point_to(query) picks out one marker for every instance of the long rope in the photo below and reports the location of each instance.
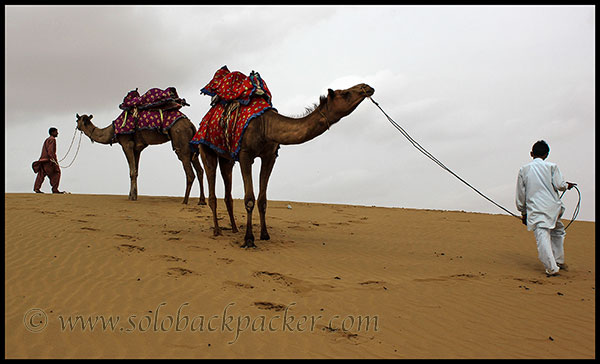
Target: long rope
(430, 156)
(76, 152)
(576, 211)
(70, 145)
(437, 161)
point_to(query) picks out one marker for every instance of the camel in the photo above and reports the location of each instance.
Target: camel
(180, 135)
(261, 139)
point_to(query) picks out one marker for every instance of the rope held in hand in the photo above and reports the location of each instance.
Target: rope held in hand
(430, 156)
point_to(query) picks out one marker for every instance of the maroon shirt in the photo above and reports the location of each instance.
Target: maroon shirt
(48, 154)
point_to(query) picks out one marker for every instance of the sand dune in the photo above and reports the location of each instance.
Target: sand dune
(334, 281)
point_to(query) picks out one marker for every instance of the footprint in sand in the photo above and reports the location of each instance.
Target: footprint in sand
(238, 284)
(88, 228)
(468, 275)
(337, 334)
(124, 236)
(461, 276)
(170, 258)
(269, 306)
(225, 260)
(172, 232)
(293, 284)
(128, 248)
(280, 279)
(340, 223)
(179, 272)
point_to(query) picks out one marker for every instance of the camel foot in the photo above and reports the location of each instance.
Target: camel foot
(202, 201)
(248, 244)
(249, 240)
(185, 202)
(217, 232)
(234, 229)
(264, 235)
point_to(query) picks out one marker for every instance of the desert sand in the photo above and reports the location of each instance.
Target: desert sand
(334, 281)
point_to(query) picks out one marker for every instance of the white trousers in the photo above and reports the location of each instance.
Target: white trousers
(550, 246)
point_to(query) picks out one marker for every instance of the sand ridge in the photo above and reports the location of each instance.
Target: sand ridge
(334, 281)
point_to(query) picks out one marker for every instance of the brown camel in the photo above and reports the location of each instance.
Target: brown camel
(262, 138)
(180, 135)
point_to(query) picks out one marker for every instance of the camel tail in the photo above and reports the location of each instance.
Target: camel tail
(193, 149)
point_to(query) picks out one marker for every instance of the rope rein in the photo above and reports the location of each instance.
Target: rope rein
(68, 150)
(430, 156)
(576, 211)
(70, 145)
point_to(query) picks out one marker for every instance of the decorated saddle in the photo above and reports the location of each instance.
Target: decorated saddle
(156, 109)
(236, 100)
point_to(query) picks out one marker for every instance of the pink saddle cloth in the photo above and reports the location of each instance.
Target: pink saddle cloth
(157, 109)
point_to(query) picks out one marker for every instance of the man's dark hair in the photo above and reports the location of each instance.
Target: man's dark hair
(51, 130)
(540, 149)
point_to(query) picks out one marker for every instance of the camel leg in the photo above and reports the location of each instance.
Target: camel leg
(267, 163)
(246, 167)
(127, 146)
(209, 159)
(136, 158)
(200, 173)
(185, 157)
(226, 167)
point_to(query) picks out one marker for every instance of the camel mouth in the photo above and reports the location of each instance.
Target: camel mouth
(368, 90)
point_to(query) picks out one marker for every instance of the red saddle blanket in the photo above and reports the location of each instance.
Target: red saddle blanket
(156, 109)
(237, 99)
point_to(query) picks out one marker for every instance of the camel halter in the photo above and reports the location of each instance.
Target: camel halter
(326, 120)
(325, 116)
(430, 156)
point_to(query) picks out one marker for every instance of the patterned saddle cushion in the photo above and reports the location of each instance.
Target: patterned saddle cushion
(156, 109)
(155, 98)
(160, 120)
(240, 99)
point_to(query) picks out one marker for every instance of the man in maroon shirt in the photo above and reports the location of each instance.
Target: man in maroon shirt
(47, 165)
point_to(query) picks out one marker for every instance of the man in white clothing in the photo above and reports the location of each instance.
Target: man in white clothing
(541, 208)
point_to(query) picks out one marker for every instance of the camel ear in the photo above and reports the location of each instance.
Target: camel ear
(77, 115)
(91, 116)
(330, 94)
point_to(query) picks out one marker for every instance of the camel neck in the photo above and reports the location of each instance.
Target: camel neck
(286, 130)
(102, 136)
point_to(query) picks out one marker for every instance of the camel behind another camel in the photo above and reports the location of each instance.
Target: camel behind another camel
(180, 134)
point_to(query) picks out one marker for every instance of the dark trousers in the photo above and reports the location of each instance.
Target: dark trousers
(52, 171)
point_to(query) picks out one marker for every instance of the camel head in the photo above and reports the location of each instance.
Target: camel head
(340, 103)
(84, 122)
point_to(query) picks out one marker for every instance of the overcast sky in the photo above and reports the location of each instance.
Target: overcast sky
(474, 85)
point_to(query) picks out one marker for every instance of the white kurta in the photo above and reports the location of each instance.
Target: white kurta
(537, 193)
